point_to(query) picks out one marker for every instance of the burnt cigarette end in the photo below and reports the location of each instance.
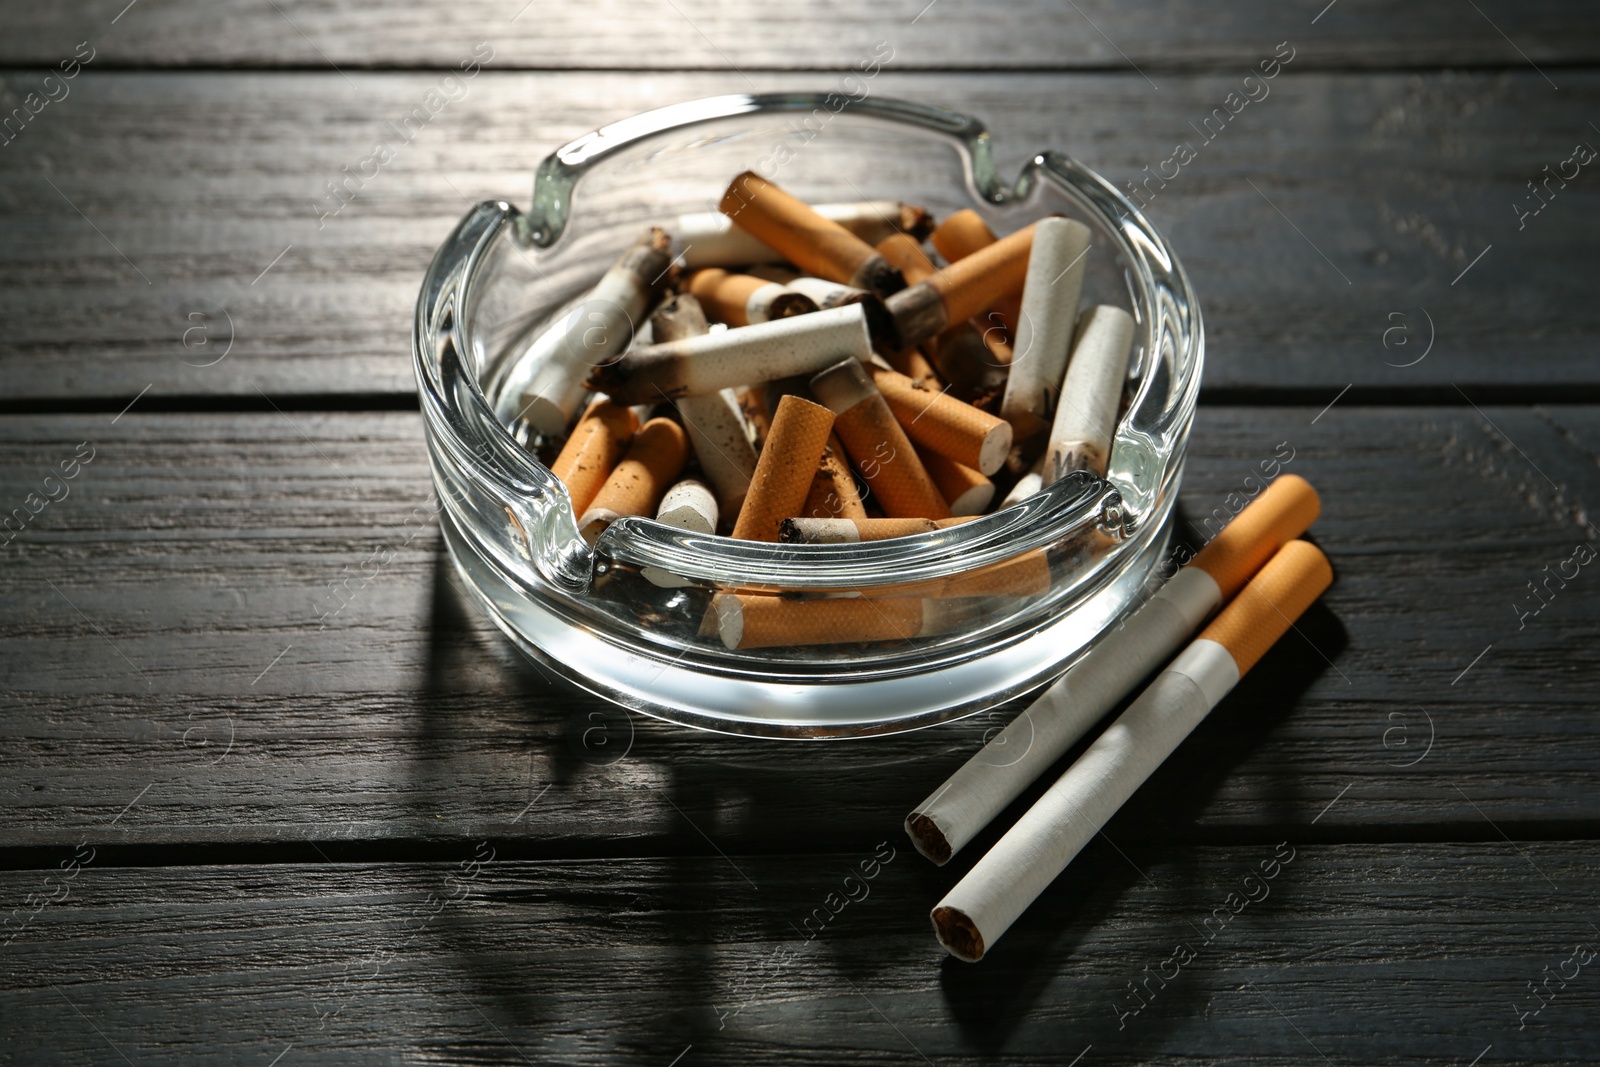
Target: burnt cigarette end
(916, 221)
(787, 304)
(916, 314)
(789, 533)
(678, 317)
(958, 934)
(928, 838)
(878, 275)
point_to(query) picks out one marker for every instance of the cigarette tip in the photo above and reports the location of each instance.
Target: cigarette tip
(927, 838)
(957, 933)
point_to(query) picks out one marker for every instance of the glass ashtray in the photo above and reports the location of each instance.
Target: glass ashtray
(977, 613)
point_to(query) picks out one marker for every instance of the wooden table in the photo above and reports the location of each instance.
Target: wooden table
(240, 828)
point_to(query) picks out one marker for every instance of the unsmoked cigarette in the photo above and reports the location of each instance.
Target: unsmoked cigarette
(833, 492)
(811, 242)
(877, 445)
(961, 290)
(689, 505)
(785, 470)
(696, 366)
(594, 447)
(653, 461)
(984, 904)
(965, 489)
(590, 332)
(997, 774)
(710, 239)
(821, 531)
(940, 423)
(957, 237)
(1086, 414)
(1049, 311)
(715, 426)
(742, 299)
(779, 622)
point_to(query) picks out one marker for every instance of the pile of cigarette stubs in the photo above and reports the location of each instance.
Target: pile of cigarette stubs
(1260, 577)
(813, 375)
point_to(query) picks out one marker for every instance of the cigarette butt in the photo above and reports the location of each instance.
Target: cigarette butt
(589, 332)
(940, 423)
(753, 407)
(594, 447)
(710, 239)
(803, 530)
(965, 358)
(877, 445)
(997, 774)
(779, 622)
(961, 290)
(811, 242)
(965, 489)
(785, 469)
(653, 461)
(1086, 413)
(833, 492)
(716, 429)
(914, 365)
(1049, 311)
(957, 237)
(695, 366)
(680, 315)
(824, 294)
(1284, 511)
(1027, 485)
(984, 904)
(742, 299)
(689, 505)
(1021, 576)
(905, 253)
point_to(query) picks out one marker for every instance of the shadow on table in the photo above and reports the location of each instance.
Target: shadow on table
(701, 921)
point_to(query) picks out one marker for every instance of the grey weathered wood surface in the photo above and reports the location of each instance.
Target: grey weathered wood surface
(633, 35)
(1338, 208)
(173, 601)
(1350, 956)
(272, 802)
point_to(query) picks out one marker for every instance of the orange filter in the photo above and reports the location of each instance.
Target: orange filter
(652, 464)
(814, 244)
(785, 469)
(594, 448)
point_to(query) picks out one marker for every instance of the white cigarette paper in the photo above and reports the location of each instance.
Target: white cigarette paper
(1086, 413)
(689, 505)
(587, 333)
(712, 239)
(1014, 758)
(1049, 310)
(1047, 837)
(721, 442)
(1027, 485)
(698, 366)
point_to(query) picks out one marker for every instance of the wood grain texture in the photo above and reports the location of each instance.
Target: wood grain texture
(175, 601)
(1348, 956)
(1339, 213)
(946, 34)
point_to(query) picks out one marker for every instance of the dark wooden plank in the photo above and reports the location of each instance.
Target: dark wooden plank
(1373, 954)
(173, 601)
(198, 194)
(954, 34)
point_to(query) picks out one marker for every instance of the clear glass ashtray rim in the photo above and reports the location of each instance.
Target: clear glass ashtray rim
(482, 449)
(483, 445)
